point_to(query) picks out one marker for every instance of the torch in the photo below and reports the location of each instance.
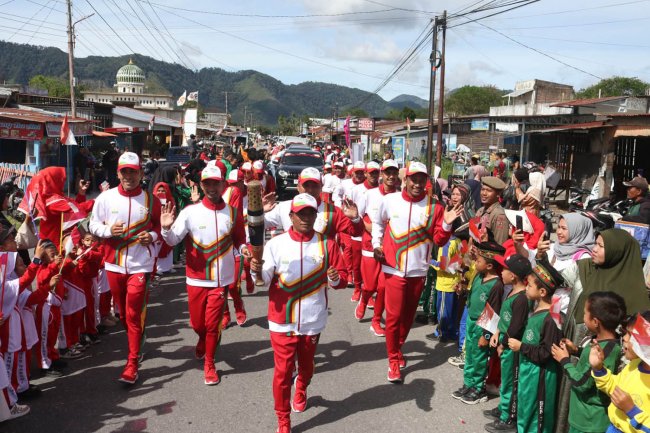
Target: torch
(256, 223)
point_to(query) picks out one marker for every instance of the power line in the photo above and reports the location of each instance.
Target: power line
(520, 5)
(584, 42)
(581, 10)
(539, 51)
(40, 25)
(110, 27)
(33, 16)
(401, 8)
(143, 40)
(580, 24)
(170, 35)
(270, 16)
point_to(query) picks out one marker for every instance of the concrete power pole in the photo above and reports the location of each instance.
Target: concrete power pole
(441, 99)
(432, 93)
(73, 101)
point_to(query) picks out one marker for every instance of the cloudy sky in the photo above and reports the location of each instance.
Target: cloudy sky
(357, 43)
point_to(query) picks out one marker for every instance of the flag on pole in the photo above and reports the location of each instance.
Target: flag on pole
(556, 311)
(488, 320)
(67, 137)
(151, 122)
(193, 96)
(182, 99)
(408, 125)
(474, 230)
(346, 129)
(224, 127)
(640, 338)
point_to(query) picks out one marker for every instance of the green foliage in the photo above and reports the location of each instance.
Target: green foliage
(472, 100)
(354, 112)
(56, 87)
(395, 114)
(615, 86)
(261, 94)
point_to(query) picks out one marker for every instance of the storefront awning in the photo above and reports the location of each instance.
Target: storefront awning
(103, 134)
(572, 128)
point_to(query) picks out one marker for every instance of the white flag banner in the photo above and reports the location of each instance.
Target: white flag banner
(488, 320)
(193, 96)
(182, 99)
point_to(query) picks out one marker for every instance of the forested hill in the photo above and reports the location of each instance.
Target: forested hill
(263, 95)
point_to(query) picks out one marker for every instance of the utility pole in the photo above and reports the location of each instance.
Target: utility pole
(433, 58)
(245, 107)
(226, 93)
(73, 101)
(441, 99)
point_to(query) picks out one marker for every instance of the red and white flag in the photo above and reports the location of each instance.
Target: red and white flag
(556, 311)
(488, 320)
(151, 122)
(67, 137)
(474, 230)
(408, 124)
(346, 129)
(640, 338)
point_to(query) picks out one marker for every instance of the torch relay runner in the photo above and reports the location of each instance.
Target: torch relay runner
(300, 265)
(214, 236)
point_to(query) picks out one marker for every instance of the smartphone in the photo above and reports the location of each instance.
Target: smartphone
(520, 223)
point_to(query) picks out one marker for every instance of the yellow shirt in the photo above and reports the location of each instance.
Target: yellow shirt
(635, 382)
(445, 281)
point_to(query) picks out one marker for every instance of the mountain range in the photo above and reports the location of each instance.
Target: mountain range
(257, 93)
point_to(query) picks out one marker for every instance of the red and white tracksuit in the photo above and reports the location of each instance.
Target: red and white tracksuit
(342, 192)
(79, 302)
(127, 262)
(17, 333)
(236, 199)
(48, 315)
(373, 277)
(295, 266)
(358, 196)
(214, 235)
(406, 228)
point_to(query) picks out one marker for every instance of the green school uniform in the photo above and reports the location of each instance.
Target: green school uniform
(476, 358)
(514, 315)
(538, 375)
(588, 406)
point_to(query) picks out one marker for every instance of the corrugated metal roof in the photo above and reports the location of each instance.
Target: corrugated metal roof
(583, 102)
(517, 93)
(141, 116)
(37, 116)
(574, 127)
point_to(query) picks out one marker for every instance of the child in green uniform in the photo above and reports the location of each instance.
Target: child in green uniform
(538, 372)
(604, 313)
(486, 288)
(514, 314)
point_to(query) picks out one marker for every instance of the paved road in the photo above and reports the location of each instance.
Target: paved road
(348, 393)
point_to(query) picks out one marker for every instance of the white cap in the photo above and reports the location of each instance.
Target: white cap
(371, 166)
(416, 167)
(302, 201)
(128, 160)
(389, 163)
(359, 166)
(247, 166)
(211, 172)
(258, 166)
(309, 174)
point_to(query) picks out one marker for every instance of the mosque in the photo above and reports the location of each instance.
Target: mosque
(130, 91)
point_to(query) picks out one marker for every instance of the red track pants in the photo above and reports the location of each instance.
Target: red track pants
(72, 324)
(48, 328)
(234, 290)
(130, 294)
(105, 304)
(401, 302)
(355, 246)
(286, 349)
(345, 241)
(373, 282)
(206, 309)
(89, 326)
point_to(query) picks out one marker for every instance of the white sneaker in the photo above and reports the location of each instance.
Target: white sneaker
(18, 410)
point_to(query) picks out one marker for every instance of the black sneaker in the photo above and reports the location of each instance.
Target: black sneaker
(460, 392)
(58, 364)
(492, 413)
(499, 426)
(474, 396)
(93, 338)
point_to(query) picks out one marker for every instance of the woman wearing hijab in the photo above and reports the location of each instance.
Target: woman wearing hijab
(165, 260)
(533, 199)
(474, 200)
(615, 266)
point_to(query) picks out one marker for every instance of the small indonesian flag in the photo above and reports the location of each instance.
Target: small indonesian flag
(555, 311)
(151, 122)
(488, 320)
(640, 338)
(408, 124)
(67, 137)
(474, 230)
(455, 264)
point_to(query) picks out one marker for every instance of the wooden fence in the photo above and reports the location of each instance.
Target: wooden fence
(23, 173)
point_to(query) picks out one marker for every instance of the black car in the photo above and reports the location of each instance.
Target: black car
(292, 163)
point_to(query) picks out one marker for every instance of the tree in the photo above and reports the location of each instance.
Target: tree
(354, 112)
(472, 100)
(395, 114)
(615, 86)
(56, 87)
(288, 125)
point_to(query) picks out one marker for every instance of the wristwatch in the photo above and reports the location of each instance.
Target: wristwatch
(37, 261)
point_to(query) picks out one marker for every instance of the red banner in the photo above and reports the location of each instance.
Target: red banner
(15, 130)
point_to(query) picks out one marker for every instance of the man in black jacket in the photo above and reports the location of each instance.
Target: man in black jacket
(637, 191)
